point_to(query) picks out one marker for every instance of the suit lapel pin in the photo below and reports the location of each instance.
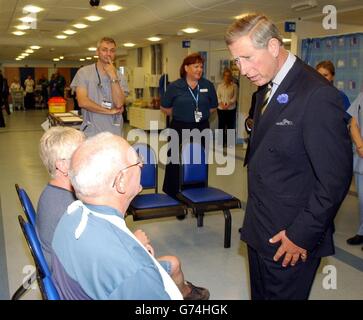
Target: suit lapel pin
(282, 98)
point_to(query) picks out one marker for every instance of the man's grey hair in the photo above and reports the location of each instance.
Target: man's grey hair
(106, 39)
(58, 143)
(99, 159)
(258, 27)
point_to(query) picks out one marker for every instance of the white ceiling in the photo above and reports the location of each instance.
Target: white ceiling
(141, 19)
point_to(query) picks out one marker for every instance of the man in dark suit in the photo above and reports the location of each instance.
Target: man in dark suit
(299, 165)
(249, 124)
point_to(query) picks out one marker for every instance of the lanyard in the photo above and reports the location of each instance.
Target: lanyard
(196, 98)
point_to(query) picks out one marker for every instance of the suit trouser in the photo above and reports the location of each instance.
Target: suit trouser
(359, 185)
(270, 281)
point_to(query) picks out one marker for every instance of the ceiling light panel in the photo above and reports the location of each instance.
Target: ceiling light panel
(19, 33)
(80, 25)
(27, 19)
(93, 18)
(69, 32)
(111, 7)
(22, 27)
(32, 9)
(154, 39)
(190, 30)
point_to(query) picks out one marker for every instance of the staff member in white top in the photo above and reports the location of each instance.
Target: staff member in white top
(101, 92)
(227, 98)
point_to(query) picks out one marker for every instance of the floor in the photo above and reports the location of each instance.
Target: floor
(204, 260)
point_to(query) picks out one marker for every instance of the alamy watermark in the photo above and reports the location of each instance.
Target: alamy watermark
(330, 20)
(30, 276)
(330, 278)
(167, 144)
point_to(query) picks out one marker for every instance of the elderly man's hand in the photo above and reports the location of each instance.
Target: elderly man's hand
(291, 251)
(144, 239)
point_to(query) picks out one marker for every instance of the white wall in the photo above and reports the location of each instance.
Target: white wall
(173, 55)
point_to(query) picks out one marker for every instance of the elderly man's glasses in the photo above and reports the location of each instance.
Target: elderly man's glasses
(139, 162)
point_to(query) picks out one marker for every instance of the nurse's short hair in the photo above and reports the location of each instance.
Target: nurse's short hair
(190, 59)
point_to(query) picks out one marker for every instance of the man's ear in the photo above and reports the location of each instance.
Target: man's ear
(273, 47)
(120, 183)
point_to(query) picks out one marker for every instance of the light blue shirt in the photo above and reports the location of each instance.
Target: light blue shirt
(104, 261)
(280, 76)
(355, 110)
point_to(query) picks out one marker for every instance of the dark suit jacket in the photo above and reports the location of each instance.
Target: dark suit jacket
(251, 113)
(299, 165)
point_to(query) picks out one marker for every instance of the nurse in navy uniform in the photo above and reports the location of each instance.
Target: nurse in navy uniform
(190, 101)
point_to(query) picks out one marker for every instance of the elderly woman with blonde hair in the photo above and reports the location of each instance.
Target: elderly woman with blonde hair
(56, 149)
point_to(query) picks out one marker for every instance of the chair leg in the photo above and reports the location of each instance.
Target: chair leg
(24, 287)
(227, 228)
(200, 216)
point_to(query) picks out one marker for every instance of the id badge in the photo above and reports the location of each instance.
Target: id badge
(198, 116)
(106, 104)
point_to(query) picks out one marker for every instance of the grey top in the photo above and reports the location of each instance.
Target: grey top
(355, 110)
(99, 89)
(52, 203)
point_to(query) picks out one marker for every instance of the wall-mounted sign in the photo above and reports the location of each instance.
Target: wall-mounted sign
(186, 43)
(290, 26)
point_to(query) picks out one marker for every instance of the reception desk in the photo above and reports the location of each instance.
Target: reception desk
(141, 117)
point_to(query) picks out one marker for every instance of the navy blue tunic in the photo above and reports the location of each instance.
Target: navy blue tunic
(178, 97)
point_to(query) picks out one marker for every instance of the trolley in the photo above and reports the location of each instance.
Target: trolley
(17, 97)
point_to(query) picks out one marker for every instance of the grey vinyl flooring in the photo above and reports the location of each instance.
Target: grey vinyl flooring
(204, 260)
